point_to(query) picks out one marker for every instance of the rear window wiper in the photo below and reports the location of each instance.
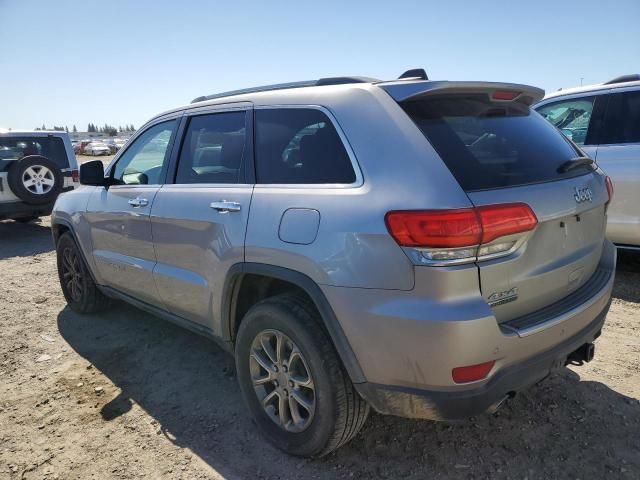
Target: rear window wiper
(575, 163)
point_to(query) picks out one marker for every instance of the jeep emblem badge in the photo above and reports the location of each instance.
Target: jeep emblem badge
(582, 194)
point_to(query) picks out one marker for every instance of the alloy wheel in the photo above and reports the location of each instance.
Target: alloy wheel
(282, 380)
(72, 273)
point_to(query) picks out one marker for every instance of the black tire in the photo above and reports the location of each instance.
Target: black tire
(340, 412)
(86, 298)
(15, 180)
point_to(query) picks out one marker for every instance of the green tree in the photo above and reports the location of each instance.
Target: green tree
(75, 130)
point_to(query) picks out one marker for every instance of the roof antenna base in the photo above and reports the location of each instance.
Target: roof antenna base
(414, 73)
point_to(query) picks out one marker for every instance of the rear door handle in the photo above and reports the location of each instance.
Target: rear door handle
(138, 202)
(225, 207)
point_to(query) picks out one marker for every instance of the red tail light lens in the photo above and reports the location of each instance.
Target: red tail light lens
(463, 227)
(74, 176)
(434, 228)
(472, 373)
(609, 184)
(506, 219)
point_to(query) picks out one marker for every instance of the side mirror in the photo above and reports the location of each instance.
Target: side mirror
(92, 173)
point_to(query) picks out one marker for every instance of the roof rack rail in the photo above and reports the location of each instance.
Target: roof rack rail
(284, 86)
(633, 77)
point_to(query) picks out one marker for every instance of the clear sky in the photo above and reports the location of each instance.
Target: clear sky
(71, 62)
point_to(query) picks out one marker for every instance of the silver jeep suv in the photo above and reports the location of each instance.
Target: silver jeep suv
(423, 248)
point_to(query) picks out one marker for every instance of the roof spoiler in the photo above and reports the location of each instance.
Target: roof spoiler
(403, 91)
(632, 77)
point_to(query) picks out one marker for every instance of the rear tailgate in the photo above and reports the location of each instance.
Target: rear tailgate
(501, 152)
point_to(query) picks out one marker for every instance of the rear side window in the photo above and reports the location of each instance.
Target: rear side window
(213, 148)
(299, 146)
(489, 144)
(622, 120)
(571, 117)
(14, 148)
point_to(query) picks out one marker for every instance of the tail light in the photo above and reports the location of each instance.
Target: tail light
(460, 235)
(609, 184)
(472, 373)
(75, 177)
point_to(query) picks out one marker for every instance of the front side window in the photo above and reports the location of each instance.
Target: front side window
(213, 149)
(299, 146)
(572, 117)
(145, 160)
(622, 120)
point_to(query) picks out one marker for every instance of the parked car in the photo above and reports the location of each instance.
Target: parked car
(424, 248)
(97, 148)
(604, 120)
(35, 167)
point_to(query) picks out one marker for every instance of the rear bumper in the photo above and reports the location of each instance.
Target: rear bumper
(438, 405)
(10, 210)
(21, 209)
(407, 343)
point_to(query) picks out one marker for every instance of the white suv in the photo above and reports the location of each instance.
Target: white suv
(604, 120)
(35, 167)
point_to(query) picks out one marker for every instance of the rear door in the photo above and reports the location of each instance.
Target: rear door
(118, 215)
(619, 156)
(501, 152)
(199, 219)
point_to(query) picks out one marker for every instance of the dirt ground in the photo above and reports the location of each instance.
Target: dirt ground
(125, 395)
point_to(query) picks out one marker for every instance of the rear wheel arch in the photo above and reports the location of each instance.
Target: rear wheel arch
(249, 283)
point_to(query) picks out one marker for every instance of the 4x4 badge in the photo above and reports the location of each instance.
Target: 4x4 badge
(500, 298)
(583, 194)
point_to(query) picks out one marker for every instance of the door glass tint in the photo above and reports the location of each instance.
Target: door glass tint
(213, 148)
(572, 117)
(15, 148)
(489, 144)
(299, 146)
(622, 120)
(145, 159)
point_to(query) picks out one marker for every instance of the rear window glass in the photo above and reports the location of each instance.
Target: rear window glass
(14, 148)
(489, 144)
(299, 146)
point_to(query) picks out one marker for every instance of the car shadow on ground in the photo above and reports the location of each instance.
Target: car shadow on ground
(24, 239)
(627, 276)
(180, 379)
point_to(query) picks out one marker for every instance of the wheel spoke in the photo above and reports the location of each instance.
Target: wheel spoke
(300, 400)
(299, 371)
(266, 401)
(296, 418)
(265, 363)
(283, 410)
(31, 172)
(39, 189)
(265, 343)
(48, 181)
(262, 380)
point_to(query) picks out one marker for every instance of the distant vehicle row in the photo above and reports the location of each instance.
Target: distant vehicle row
(98, 147)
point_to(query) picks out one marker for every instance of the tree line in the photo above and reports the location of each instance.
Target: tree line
(92, 128)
